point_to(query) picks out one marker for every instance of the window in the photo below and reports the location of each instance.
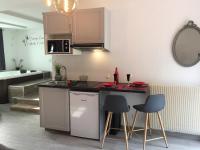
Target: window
(2, 56)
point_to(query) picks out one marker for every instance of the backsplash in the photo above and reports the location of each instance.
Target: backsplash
(96, 65)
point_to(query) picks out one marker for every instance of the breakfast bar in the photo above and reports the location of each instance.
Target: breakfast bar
(85, 101)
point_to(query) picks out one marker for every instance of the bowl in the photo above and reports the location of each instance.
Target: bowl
(23, 70)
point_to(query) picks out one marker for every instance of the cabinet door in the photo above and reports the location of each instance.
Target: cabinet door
(88, 26)
(54, 105)
(84, 112)
(57, 23)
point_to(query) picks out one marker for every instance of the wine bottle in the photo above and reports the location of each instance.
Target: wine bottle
(116, 76)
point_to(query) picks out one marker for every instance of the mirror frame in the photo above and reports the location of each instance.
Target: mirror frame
(189, 25)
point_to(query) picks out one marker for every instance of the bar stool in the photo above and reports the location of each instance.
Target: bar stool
(116, 104)
(154, 104)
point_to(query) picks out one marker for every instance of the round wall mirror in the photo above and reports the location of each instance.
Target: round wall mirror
(186, 45)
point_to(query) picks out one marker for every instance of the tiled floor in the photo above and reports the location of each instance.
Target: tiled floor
(21, 131)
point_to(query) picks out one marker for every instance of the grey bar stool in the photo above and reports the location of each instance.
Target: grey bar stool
(116, 104)
(154, 104)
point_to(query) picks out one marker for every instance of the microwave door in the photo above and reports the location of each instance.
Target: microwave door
(51, 48)
(59, 48)
(54, 46)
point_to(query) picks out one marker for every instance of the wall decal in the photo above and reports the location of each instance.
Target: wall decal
(33, 40)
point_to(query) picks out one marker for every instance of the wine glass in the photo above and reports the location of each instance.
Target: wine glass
(128, 77)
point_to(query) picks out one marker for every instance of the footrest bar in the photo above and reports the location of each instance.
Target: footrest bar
(139, 130)
(154, 139)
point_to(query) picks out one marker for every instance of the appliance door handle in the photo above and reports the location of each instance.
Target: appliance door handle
(84, 94)
(76, 93)
(90, 94)
(84, 100)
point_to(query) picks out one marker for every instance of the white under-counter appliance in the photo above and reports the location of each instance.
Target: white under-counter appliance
(84, 113)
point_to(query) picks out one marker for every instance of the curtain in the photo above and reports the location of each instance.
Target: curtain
(2, 56)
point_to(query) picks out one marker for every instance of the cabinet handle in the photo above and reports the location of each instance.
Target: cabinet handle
(70, 28)
(83, 100)
(91, 94)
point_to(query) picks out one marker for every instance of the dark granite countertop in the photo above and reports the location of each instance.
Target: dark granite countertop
(94, 86)
(55, 84)
(123, 87)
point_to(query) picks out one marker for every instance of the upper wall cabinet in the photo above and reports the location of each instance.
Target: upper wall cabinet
(86, 28)
(57, 23)
(91, 26)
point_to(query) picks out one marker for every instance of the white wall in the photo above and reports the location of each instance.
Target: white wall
(9, 48)
(141, 37)
(32, 52)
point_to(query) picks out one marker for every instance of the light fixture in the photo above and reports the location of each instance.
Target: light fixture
(62, 6)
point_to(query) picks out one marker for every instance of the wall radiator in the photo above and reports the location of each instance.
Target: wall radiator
(182, 111)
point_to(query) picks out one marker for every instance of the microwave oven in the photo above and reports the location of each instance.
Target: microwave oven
(58, 46)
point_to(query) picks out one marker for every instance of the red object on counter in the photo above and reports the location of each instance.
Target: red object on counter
(108, 84)
(116, 76)
(138, 83)
(120, 86)
(69, 83)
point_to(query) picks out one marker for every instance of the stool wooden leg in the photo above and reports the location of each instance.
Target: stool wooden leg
(125, 130)
(127, 124)
(149, 123)
(145, 130)
(110, 122)
(133, 124)
(162, 127)
(106, 129)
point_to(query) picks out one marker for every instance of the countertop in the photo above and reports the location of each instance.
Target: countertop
(55, 84)
(94, 86)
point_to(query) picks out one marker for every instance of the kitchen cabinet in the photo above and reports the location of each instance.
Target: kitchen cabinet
(54, 108)
(57, 23)
(84, 113)
(58, 26)
(88, 25)
(86, 28)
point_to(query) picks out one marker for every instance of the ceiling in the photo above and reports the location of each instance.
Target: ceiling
(22, 14)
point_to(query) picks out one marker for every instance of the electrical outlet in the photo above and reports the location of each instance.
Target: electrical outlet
(108, 76)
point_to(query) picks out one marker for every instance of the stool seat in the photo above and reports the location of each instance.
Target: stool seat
(154, 103)
(116, 104)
